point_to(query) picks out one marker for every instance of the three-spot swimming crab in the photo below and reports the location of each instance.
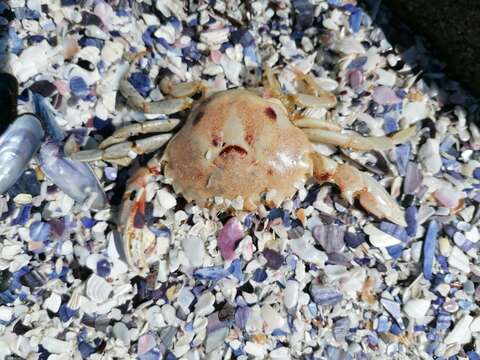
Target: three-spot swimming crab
(239, 142)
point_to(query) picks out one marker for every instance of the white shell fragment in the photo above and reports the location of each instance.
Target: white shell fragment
(458, 260)
(415, 111)
(416, 308)
(429, 156)
(97, 289)
(379, 238)
(307, 252)
(461, 333)
(291, 294)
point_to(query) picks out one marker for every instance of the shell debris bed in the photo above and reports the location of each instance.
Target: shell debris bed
(316, 278)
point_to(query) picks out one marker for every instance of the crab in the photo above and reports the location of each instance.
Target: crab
(238, 143)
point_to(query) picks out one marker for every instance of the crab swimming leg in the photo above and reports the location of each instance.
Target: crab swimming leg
(182, 90)
(356, 184)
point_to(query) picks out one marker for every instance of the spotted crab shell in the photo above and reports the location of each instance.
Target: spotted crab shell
(237, 143)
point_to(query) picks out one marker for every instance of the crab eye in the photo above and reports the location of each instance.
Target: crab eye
(271, 113)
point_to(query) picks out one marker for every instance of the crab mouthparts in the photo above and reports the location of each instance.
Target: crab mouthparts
(232, 149)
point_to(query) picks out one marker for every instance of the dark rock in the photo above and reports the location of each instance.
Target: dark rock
(451, 28)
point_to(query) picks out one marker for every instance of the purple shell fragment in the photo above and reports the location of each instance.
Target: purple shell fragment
(394, 230)
(429, 245)
(324, 295)
(211, 273)
(141, 82)
(274, 258)
(39, 231)
(228, 238)
(111, 173)
(147, 36)
(390, 125)
(357, 63)
(146, 342)
(259, 275)
(79, 87)
(23, 215)
(384, 95)
(340, 328)
(393, 308)
(395, 251)
(103, 268)
(304, 14)
(443, 321)
(355, 19)
(330, 237)
(402, 155)
(411, 219)
(354, 239)
(413, 178)
(235, 269)
(355, 78)
(241, 316)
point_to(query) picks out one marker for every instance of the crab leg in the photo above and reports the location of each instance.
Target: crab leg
(182, 89)
(325, 100)
(136, 100)
(315, 97)
(359, 142)
(355, 184)
(123, 153)
(148, 127)
(167, 106)
(314, 123)
(314, 91)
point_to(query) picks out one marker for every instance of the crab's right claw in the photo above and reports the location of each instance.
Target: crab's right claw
(138, 242)
(355, 184)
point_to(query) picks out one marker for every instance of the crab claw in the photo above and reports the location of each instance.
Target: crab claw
(355, 184)
(138, 241)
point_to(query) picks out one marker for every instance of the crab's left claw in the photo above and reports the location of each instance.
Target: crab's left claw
(138, 242)
(355, 184)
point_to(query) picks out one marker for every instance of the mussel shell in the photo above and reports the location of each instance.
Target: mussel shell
(74, 178)
(17, 146)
